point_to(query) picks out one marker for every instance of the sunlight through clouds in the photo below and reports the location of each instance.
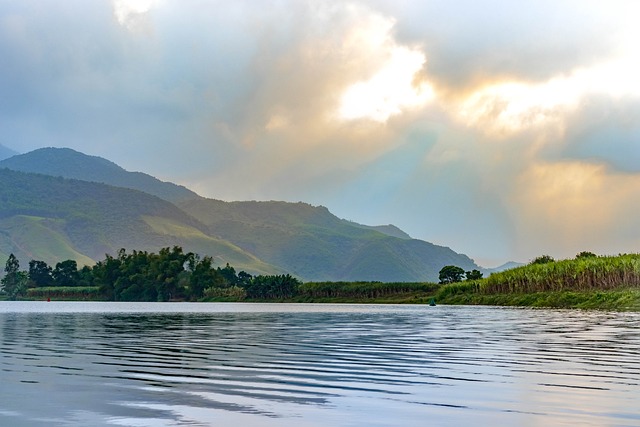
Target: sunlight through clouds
(128, 12)
(501, 129)
(513, 106)
(396, 84)
(577, 205)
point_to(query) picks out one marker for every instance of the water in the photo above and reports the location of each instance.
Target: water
(155, 364)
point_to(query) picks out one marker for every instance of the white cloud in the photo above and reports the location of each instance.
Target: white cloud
(129, 13)
(396, 83)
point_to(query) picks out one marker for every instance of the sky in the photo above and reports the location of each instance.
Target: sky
(502, 129)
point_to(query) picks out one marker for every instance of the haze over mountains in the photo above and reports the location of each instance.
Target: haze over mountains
(6, 152)
(60, 204)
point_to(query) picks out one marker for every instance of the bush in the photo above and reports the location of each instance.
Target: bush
(542, 259)
(234, 293)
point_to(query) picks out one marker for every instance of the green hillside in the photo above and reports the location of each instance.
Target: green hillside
(314, 244)
(263, 237)
(53, 219)
(69, 163)
(29, 237)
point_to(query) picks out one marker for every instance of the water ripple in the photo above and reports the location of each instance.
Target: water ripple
(344, 365)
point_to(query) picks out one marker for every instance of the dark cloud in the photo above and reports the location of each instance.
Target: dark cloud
(605, 130)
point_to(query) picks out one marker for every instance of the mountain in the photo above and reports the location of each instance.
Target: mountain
(313, 244)
(6, 152)
(72, 164)
(84, 220)
(506, 266)
(389, 230)
(53, 219)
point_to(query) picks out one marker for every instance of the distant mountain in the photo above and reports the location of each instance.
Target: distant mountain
(506, 266)
(52, 219)
(313, 244)
(49, 218)
(6, 152)
(72, 164)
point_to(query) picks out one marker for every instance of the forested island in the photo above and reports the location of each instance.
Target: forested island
(587, 281)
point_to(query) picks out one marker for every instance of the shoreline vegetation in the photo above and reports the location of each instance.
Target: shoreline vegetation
(586, 282)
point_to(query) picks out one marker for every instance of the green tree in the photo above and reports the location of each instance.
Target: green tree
(229, 274)
(203, 276)
(542, 259)
(165, 270)
(450, 274)
(105, 273)
(270, 287)
(585, 255)
(14, 282)
(65, 273)
(40, 273)
(473, 275)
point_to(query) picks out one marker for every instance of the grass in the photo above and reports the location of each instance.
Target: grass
(610, 282)
(619, 300)
(607, 283)
(597, 273)
(66, 293)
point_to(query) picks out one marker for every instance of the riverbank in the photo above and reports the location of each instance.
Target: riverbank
(602, 283)
(617, 300)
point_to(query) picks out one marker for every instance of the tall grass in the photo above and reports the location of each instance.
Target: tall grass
(459, 288)
(584, 274)
(66, 292)
(363, 290)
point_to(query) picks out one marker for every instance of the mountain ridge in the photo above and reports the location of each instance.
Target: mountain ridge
(304, 240)
(73, 164)
(6, 152)
(87, 220)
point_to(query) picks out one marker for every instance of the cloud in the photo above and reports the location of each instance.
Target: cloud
(604, 130)
(472, 43)
(131, 13)
(394, 86)
(578, 206)
(504, 130)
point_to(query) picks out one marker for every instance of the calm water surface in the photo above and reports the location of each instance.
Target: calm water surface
(155, 364)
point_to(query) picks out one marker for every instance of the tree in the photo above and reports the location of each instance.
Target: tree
(203, 276)
(585, 255)
(40, 273)
(14, 282)
(542, 259)
(66, 273)
(450, 274)
(229, 274)
(473, 275)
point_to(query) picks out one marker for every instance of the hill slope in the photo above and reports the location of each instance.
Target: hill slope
(314, 244)
(6, 152)
(72, 164)
(52, 219)
(306, 241)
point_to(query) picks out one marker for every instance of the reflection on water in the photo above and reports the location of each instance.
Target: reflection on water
(105, 364)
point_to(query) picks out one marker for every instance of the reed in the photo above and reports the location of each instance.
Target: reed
(363, 290)
(65, 293)
(582, 274)
(459, 288)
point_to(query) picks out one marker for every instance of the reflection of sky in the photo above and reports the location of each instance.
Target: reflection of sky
(315, 365)
(234, 101)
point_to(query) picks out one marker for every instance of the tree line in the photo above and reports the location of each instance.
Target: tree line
(170, 274)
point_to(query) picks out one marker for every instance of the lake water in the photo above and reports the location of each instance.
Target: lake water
(174, 364)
